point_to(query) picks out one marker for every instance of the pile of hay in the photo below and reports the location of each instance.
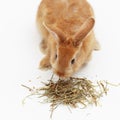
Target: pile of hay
(71, 92)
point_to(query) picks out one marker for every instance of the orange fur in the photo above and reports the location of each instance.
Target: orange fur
(66, 27)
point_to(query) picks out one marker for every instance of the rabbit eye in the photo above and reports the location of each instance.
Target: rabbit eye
(56, 56)
(72, 61)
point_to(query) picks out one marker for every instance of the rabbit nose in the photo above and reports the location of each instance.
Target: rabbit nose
(60, 73)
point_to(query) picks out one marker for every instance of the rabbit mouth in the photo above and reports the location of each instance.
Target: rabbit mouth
(62, 75)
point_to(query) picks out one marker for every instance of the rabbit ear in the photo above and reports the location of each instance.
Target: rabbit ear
(55, 32)
(84, 30)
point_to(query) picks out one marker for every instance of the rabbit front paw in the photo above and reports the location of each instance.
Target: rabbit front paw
(96, 45)
(45, 63)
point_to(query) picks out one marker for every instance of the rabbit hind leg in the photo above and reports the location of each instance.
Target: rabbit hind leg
(43, 43)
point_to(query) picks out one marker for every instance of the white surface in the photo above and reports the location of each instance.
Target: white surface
(20, 56)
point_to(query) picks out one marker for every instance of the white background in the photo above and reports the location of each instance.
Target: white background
(20, 56)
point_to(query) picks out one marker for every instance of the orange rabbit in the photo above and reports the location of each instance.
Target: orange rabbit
(68, 37)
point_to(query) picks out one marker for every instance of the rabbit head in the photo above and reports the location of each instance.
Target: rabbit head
(65, 53)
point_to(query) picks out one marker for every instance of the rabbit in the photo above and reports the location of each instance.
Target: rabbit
(68, 38)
